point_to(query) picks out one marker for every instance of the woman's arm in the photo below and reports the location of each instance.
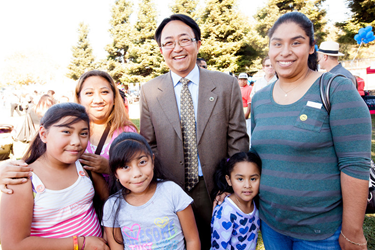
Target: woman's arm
(100, 186)
(16, 217)
(354, 196)
(13, 173)
(189, 228)
(111, 241)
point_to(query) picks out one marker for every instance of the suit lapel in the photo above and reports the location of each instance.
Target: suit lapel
(167, 100)
(206, 102)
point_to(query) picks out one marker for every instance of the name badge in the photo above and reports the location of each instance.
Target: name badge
(314, 105)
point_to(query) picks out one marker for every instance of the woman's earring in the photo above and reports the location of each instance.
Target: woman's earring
(116, 179)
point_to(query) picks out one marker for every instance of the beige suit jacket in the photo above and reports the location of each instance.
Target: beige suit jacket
(221, 126)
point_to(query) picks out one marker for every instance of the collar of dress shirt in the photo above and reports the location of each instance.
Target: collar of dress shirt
(193, 76)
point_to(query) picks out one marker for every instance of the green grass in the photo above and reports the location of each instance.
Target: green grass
(136, 122)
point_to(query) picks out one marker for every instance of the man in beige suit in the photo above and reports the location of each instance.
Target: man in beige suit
(219, 118)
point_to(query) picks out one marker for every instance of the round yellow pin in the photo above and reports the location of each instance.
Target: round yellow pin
(303, 117)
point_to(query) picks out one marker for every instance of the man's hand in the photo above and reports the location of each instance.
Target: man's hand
(13, 173)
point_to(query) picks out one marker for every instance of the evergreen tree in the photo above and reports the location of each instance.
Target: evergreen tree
(187, 7)
(83, 60)
(121, 30)
(145, 61)
(224, 29)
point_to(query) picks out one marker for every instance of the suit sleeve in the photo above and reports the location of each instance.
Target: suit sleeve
(146, 126)
(238, 140)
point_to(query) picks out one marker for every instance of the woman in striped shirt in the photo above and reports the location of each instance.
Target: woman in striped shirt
(54, 208)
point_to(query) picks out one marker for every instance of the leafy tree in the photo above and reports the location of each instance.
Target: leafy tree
(267, 16)
(28, 67)
(185, 7)
(83, 59)
(363, 13)
(121, 30)
(224, 29)
(144, 58)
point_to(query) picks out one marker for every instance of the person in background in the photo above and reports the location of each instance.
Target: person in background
(191, 117)
(38, 110)
(202, 63)
(268, 78)
(245, 93)
(125, 100)
(360, 83)
(315, 165)
(328, 58)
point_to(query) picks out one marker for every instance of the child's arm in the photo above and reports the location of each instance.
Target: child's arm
(189, 228)
(110, 239)
(217, 226)
(100, 186)
(16, 217)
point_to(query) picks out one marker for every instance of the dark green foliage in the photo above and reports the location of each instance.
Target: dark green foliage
(83, 59)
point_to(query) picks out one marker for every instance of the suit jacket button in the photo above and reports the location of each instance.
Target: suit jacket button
(181, 162)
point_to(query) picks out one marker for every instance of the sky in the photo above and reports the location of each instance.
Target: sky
(51, 27)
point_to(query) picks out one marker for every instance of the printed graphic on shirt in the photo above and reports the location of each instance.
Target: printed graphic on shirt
(162, 234)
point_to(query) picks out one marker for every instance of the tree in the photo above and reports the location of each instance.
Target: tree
(121, 30)
(29, 67)
(83, 59)
(267, 16)
(224, 29)
(185, 7)
(144, 58)
(363, 13)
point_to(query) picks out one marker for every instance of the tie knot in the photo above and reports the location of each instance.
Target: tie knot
(184, 81)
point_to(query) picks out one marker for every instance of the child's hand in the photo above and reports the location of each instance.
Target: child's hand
(95, 243)
(95, 163)
(219, 199)
(13, 173)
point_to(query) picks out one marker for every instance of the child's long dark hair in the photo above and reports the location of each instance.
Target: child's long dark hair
(226, 166)
(53, 115)
(123, 150)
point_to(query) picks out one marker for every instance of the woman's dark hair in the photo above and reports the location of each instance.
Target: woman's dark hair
(123, 150)
(305, 23)
(53, 115)
(226, 166)
(178, 17)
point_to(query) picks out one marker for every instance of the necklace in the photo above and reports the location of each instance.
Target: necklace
(286, 92)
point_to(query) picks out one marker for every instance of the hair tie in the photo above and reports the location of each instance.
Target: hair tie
(228, 159)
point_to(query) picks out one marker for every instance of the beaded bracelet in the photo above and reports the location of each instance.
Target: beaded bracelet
(354, 243)
(75, 242)
(84, 243)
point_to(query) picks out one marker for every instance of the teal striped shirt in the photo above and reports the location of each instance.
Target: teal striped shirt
(303, 151)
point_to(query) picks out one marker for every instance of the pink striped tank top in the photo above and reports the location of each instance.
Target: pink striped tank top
(67, 212)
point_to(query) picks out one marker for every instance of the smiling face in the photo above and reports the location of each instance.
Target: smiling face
(289, 50)
(97, 97)
(137, 174)
(65, 143)
(180, 60)
(245, 180)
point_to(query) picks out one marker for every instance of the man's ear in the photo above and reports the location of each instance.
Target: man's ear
(228, 180)
(43, 134)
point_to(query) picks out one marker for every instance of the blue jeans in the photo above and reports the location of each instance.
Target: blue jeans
(276, 241)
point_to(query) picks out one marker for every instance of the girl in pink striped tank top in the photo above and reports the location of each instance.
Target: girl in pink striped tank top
(54, 209)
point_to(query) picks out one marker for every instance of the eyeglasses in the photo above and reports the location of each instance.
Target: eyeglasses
(182, 41)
